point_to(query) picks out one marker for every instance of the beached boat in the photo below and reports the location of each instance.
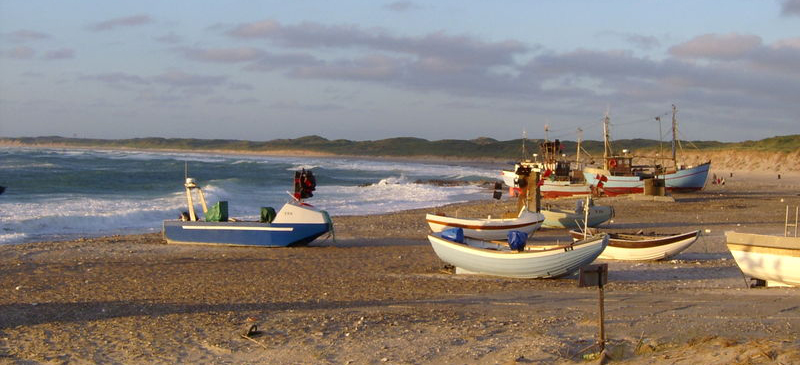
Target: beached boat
(498, 259)
(642, 247)
(488, 228)
(775, 259)
(621, 176)
(573, 219)
(295, 224)
(560, 177)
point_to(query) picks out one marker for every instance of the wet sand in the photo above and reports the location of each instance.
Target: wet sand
(378, 294)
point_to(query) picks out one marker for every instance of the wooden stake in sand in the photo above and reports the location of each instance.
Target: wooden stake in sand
(596, 275)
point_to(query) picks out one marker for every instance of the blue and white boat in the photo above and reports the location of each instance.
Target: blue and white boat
(295, 224)
(473, 256)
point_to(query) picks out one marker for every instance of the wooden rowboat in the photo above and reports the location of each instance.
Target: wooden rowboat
(488, 228)
(766, 257)
(566, 218)
(496, 258)
(641, 247)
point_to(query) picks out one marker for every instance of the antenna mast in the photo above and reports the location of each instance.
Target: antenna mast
(578, 151)
(606, 144)
(674, 135)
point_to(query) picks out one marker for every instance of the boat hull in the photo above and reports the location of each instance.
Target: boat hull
(691, 179)
(487, 229)
(766, 257)
(294, 225)
(552, 189)
(644, 248)
(545, 263)
(563, 218)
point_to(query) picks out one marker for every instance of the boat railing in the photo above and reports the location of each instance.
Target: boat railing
(787, 225)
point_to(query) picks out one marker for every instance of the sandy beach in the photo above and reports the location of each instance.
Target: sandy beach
(378, 294)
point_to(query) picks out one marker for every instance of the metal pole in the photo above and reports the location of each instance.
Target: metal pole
(602, 315)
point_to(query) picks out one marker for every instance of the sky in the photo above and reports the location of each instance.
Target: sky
(367, 70)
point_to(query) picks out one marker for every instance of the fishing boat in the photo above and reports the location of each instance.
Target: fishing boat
(584, 214)
(496, 258)
(560, 177)
(296, 223)
(620, 175)
(488, 228)
(642, 247)
(774, 259)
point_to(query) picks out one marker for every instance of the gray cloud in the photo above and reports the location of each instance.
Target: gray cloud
(117, 78)
(223, 55)
(26, 35)
(637, 40)
(60, 54)
(459, 51)
(717, 46)
(170, 38)
(227, 101)
(790, 8)
(401, 6)
(20, 53)
(129, 21)
(272, 61)
(182, 79)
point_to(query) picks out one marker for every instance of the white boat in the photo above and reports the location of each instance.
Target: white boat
(573, 219)
(766, 257)
(496, 258)
(488, 228)
(641, 247)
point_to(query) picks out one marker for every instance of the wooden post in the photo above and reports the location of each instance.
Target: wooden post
(602, 314)
(192, 216)
(538, 194)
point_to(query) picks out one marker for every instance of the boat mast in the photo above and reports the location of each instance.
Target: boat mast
(674, 135)
(606, 144)
(578, 151)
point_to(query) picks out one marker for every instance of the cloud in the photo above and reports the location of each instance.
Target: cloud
(459, 51)
(401, 6)
(717, 46)
(20, 53)
(117, 78)
(182, 79)
(273, 61)
(637, 40)
(170, 38)
(790, 8)
(26, 35)
(129, 21)
(227, 101)
(60, 54)
(223, 55)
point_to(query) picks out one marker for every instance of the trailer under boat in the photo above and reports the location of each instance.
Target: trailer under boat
(642, 247)
(295, 224)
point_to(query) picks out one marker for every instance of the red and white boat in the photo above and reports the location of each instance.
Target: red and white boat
(488, 228)
(559, 178)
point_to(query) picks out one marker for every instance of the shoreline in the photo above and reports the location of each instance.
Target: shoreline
(277, 153)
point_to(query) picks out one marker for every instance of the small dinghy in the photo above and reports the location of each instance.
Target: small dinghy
(565, 218)
(774, 259)
(488, 228)
(642, 247)
(498, 258)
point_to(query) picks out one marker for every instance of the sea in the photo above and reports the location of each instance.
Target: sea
(61, 194)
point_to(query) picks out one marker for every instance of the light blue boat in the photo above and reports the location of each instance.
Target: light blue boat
(684, 180)
(497, 258)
